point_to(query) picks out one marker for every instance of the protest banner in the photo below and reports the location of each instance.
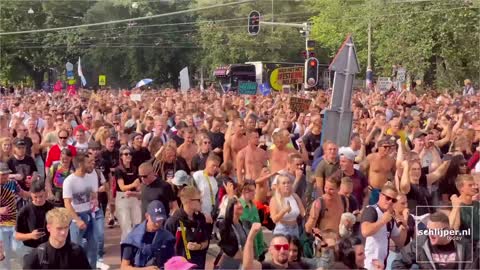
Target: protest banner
(290, 75)
(384, 84)
(265, 89)
(299, 105)
(136, 97)
(401, 74)
(247, 88)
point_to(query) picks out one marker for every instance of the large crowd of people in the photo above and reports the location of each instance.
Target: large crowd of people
(180, 172)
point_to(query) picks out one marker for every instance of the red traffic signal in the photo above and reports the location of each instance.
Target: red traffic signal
(311, 72)
(254, 23)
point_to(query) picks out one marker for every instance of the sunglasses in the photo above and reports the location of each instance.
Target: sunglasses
(116, 123)
(63, 138)
(389, 198)
(279, 247)
(126, 154)
(195, 200)
(207, 142)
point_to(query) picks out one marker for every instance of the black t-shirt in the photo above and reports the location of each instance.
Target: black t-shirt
(140, 156)
(25, 167)
(444, 257)
(419, 195)
(70, 256)
(271, 265)
(127, 174)
(311, 142)
(169, 169)
(32, 217)
(158, 190)
(110, 161)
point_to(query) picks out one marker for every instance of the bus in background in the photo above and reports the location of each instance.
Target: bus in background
(229, 76)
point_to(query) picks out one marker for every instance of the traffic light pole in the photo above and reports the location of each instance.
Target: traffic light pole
(305, 29)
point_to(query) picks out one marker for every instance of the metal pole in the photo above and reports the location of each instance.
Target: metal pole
(369, 60)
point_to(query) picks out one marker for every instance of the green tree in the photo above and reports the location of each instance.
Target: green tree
(434, 40)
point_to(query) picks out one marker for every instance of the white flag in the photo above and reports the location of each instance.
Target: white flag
(80, 73)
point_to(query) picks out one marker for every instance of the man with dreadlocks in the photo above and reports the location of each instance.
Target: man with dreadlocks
(167, 162)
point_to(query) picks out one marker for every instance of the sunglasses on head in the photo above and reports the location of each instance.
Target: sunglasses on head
(279, 247)
(394, 200)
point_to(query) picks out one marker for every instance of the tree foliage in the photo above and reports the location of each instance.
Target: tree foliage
(437, 41)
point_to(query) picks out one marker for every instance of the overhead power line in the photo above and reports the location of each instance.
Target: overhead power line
(126, 20)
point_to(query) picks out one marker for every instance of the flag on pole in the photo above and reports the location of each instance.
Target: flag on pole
(80, 73)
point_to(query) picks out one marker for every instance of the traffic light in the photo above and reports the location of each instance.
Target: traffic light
(254, 23)
(311, 72)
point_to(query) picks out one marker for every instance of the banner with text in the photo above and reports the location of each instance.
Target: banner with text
(290, 75)
(299, 105)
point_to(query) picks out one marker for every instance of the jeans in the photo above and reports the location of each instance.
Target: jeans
(392, 256)
(40, 166)
(100, 226)
(286, 230)
(129, 213)
(11, 247)
(90, 233)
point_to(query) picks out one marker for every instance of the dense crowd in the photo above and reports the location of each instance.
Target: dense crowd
(182, 172)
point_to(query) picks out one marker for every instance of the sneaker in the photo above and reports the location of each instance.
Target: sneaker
(101, 265)
(111, 223)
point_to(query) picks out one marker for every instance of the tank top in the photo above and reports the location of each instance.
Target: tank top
(293, 214)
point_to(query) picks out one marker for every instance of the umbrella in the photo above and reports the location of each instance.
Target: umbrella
(143, 82)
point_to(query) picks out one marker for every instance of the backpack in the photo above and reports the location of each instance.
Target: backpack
(307, 240)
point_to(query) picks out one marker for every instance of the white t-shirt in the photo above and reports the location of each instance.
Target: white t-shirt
(79, 190)
(202, 185)
(81, 147)
(376, 246)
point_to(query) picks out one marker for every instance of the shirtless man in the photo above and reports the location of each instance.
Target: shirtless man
(333, 208)
(251, 159)
(235, 142)
(379, 168)
(279, 154)
(188, 149)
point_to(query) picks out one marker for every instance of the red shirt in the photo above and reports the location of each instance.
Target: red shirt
(55, 153)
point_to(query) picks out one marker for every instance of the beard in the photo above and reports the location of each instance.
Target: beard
(282, 259)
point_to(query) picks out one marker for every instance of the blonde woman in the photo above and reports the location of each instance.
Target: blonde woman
(101, 135)
(5, 149)
(285, 208)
